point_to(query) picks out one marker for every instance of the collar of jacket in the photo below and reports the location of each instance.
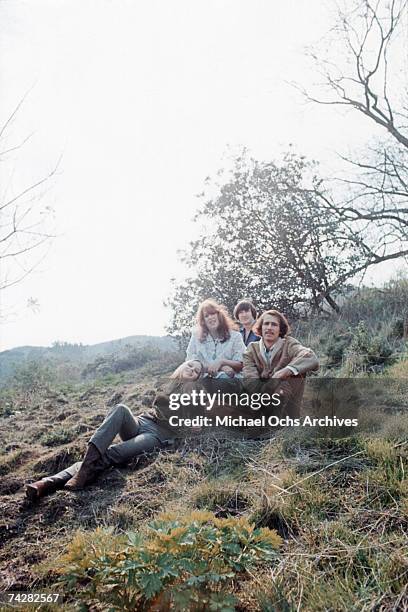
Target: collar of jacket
(275, 348)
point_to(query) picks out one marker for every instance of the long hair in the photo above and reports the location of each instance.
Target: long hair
(175, 383)
(226, 324)
(177, 372)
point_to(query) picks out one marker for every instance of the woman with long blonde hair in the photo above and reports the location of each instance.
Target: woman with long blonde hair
(215, 341)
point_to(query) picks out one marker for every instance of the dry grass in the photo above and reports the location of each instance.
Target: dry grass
(341, 504)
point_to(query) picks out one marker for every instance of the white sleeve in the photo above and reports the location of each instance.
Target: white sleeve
(238, 348)
(192, 349)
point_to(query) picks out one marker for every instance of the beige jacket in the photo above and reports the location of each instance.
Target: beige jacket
(291, 353)
(257, 374)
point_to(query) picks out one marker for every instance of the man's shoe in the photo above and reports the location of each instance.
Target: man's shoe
(38, 489)
(91, 466)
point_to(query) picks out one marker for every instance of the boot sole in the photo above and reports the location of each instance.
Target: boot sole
(32, 493)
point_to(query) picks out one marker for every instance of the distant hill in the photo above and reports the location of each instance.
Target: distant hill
(79, 353)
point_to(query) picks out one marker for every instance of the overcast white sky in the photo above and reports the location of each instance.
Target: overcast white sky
(142, 98)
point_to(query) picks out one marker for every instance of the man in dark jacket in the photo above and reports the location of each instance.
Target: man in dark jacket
(245, 313)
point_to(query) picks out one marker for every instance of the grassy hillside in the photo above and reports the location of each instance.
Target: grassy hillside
(339, 503)
(369, 334)
(70, 359)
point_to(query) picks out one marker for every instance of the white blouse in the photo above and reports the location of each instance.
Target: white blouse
(211, 350)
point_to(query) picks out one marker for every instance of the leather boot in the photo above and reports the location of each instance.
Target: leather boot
(38, 489)
(50, 484)
(92, 465)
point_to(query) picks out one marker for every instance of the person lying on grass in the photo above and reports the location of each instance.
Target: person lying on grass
(139, 434)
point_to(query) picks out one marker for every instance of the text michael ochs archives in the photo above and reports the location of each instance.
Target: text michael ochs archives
(256, 401)
(261, 421)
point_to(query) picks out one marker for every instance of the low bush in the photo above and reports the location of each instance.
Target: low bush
(180, 564)
(7, 401)
(398, 327)
(134, 358)
(337, 345)
(58, 437)
(366, 351)
(33, 376)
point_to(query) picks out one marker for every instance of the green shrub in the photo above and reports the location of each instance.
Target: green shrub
(374, 304)
(133, 358)
(397, 328)
(336, 347)
(379, 351)
(57, 437)
(182, 563)
(33, 376)
(7, 401)
(366, 351)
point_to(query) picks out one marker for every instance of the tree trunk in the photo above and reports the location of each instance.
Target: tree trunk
(332, 303)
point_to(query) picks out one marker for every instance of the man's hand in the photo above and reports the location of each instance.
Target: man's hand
(214, 367)
(283, 374)
(228, 370)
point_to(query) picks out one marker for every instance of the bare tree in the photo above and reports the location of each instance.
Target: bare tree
(25, 219)
(362, 68)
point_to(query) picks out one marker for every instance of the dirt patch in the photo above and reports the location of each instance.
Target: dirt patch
(273, 520)
(10, 485)
(55, 509)
(11, 528)
(96, 420)
(57, 461)
(14, 460)
(64, 414)
(233, 506)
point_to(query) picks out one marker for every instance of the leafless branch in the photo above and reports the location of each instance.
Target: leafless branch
(23, 224)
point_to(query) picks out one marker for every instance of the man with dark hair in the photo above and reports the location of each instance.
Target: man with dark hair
(245, 313)
(277, 362)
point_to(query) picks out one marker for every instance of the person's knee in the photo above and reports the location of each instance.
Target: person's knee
(122, 453)
(121, 409)
(150, 442)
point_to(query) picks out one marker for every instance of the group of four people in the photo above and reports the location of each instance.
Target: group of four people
(260, 357)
